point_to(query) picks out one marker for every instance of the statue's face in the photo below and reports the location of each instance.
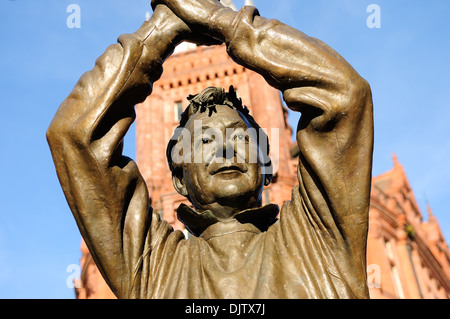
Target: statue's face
(224, 165)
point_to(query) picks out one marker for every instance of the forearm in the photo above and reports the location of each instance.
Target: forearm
(91, 123)
(312, 77)
(288, 59)
(89, 127)
(104, 189)
(335, 132)
(335, 101)
(121, 78)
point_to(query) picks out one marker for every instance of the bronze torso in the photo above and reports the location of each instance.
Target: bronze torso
(288, 260)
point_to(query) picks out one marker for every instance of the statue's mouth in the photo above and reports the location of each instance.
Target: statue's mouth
(227, 168)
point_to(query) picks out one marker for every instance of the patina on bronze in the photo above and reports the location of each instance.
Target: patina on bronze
(317, 249)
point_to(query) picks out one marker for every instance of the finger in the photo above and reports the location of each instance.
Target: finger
(154, 3)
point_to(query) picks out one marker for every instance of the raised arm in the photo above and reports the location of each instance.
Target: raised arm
(104, 189)
(335, 132)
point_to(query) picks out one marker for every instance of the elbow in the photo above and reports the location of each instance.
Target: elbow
(357, 96)
(364, 88)
(359, 89)
(62, 131)
(57, 134)
(54, 132)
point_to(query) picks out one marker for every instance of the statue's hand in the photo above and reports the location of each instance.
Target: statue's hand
(195, 13)
(165, 20)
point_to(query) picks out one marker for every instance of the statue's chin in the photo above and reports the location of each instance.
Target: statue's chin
(228, 197)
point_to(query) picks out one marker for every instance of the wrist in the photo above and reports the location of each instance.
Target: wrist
(220, 22)
(162, 32)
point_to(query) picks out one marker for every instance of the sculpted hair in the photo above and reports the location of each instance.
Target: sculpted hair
(206, 101)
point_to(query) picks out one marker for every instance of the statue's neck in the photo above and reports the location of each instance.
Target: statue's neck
(197, 222)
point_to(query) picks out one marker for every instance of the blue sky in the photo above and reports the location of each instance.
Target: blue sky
(405, 61)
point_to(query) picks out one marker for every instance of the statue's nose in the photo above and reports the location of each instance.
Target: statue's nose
(226, 150)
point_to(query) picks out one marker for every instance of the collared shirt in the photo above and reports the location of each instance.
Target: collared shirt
(285, 259)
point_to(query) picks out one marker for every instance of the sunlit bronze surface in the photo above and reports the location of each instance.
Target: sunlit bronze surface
(317, 249)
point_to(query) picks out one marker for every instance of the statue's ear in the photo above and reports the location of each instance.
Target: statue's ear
(268, 172)
(178, 183)
(267, 180)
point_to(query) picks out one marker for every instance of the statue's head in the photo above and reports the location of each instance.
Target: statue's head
(219, 154)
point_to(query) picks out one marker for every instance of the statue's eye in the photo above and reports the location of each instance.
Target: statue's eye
(206, 140)
(240, 137)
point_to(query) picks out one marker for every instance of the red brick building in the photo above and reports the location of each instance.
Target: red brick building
(407, 257)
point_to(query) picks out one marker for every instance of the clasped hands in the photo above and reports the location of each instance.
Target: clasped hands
(204, 22)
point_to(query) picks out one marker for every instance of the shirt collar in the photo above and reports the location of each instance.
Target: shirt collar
(261, 217)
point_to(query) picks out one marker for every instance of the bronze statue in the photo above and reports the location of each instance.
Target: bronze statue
(317, 249)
